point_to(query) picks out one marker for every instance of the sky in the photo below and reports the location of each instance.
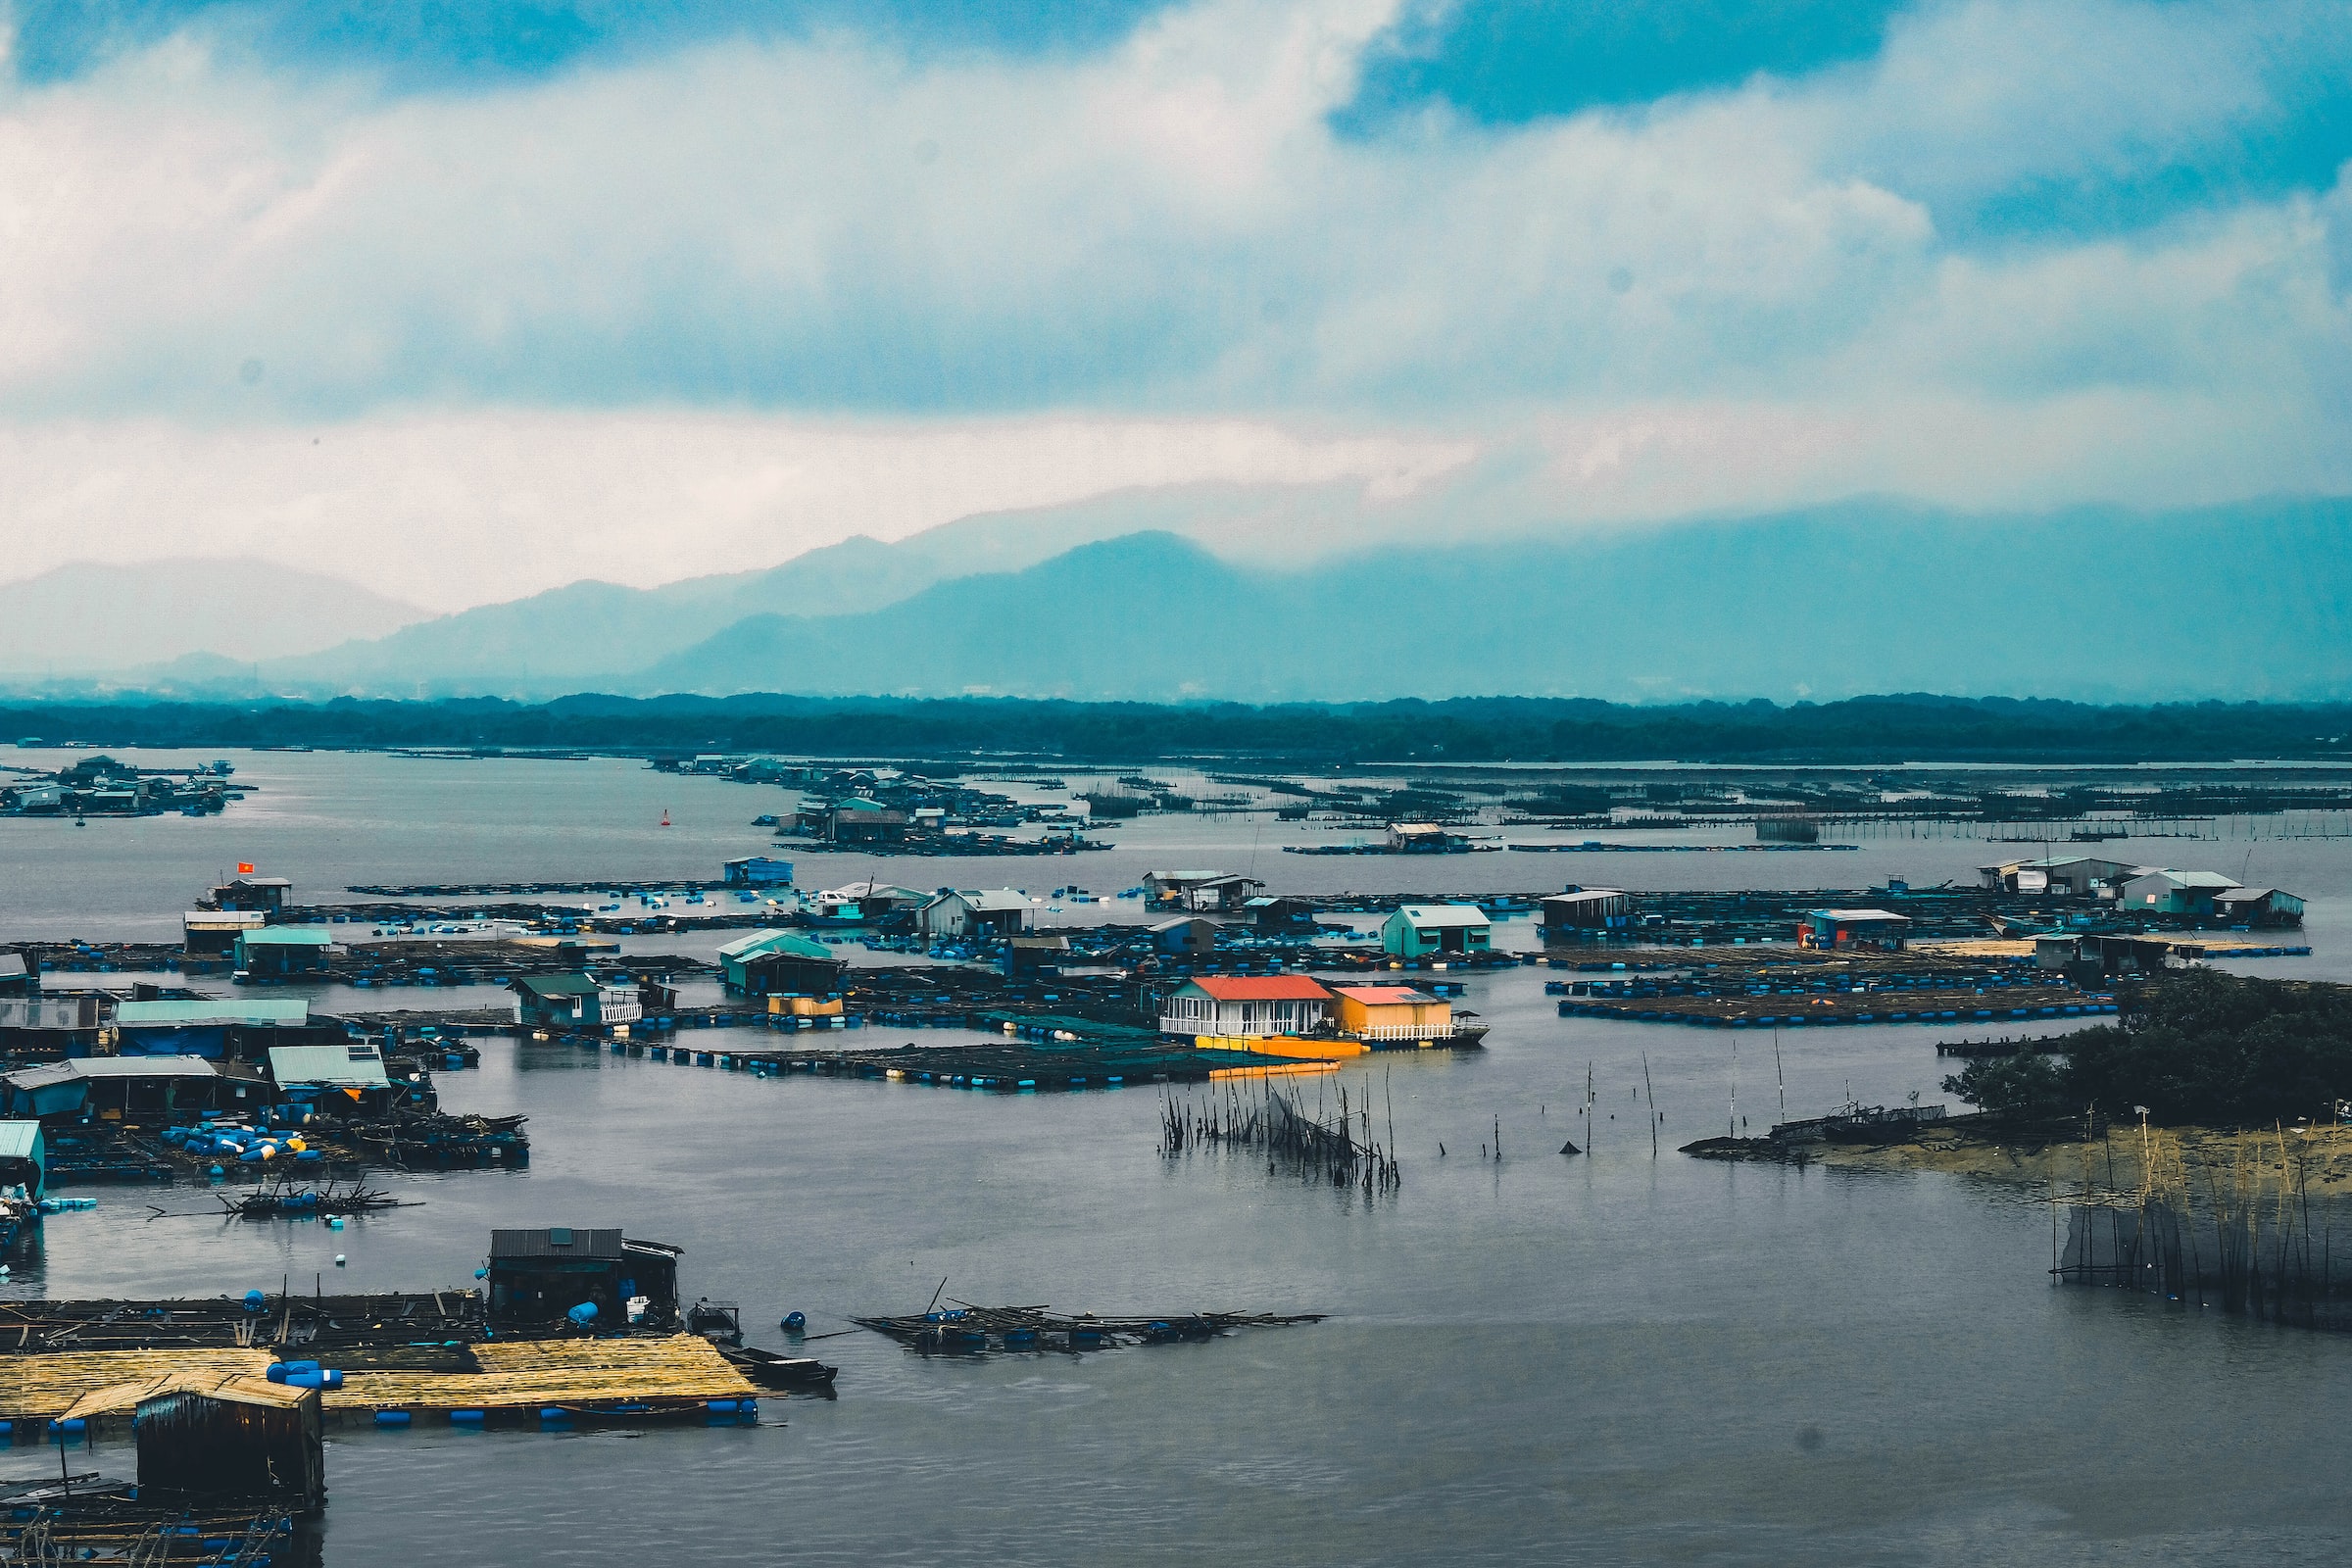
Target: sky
(464, 302)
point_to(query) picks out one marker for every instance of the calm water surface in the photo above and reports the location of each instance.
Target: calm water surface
(1603, 1359)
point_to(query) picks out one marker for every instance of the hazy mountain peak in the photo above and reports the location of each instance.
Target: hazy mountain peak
(89, 617)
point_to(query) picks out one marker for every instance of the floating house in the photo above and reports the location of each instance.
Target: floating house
(2168, 892)
(214, 933)
(70, 1025)
(1390, 1012)
(1582, 913)
(977, 912)
(1853, 928)
(574, 1002)
(23, 1157)
(1036, 955)
(542, 1276)
(207, 1435)
(1201, 892)
(352, 1071)
(1425, 838)
(2260, 907)
(876, 899)
(209, 1028)
(266, 894)
(2077, 876)
(757, 871)
(1280, 914)
(856, 820)
(113, 1086)
(1246, 1005)
(1421, 930)
(284, 949)
(1187, 934)
(737, 959)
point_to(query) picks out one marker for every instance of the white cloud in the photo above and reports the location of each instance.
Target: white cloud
(697, 312)
(449, 510)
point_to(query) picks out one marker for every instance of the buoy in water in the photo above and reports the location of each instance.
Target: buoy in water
(666, 817)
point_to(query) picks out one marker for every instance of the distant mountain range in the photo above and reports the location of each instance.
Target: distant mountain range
(2241, 603)
(2244, 602)
(89, 618)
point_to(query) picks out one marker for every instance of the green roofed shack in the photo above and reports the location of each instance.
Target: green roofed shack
(737, 957)
(23, 1156)
(284, 949)
(1421, 930)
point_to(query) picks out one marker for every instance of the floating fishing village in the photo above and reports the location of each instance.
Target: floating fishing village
(284, 1065)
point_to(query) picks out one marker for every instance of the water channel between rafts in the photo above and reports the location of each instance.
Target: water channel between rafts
(1602, 1358)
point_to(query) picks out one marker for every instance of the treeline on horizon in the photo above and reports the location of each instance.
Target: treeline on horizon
(1481, 729)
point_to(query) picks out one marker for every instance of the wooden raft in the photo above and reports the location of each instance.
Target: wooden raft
(44, 1387)
(677, 1371)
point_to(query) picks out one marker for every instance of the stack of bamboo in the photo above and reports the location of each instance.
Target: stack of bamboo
(44, 1387)
(680, 1369)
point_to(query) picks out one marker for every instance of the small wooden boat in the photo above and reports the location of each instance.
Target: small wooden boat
(802, 1374)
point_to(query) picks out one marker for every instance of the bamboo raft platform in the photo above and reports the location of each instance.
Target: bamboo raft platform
(1016, 1065)
(35, 1389)
(967, 1330)
(647, 1378)
(341, 1325)
(676, 1375)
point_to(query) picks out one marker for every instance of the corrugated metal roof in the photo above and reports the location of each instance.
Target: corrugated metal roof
(1385, 995)
(984, 899)
(350, 1066)
(223, 920)
(605, 1246)
(1859, 916)
(759, 942)
(286, 936)
(20, 1140)
(1445, 915)
(200, 1382)
(212, 1009)
(85, 1067)
(1259, 988)
(2196, 879)
(559, 985)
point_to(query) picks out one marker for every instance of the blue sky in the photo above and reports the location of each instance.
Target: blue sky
(1530, 264)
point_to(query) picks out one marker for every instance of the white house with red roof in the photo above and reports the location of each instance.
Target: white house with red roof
(1245, 1005)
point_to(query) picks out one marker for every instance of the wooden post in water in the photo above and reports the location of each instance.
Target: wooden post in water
(1652, 1091)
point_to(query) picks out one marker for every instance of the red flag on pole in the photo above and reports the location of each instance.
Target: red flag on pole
(244, 868)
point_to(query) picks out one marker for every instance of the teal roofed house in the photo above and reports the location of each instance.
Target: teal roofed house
(1421, 930)
(23, 1156)
(280, 950)
(735, 958)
